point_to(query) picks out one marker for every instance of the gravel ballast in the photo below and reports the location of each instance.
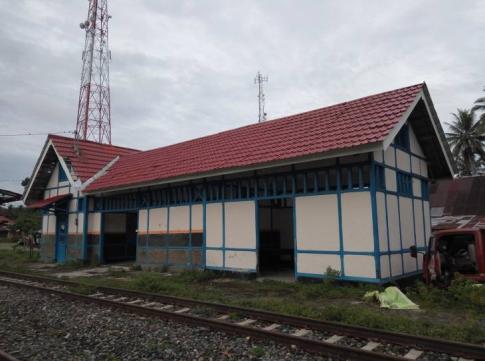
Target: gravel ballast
(39, 326)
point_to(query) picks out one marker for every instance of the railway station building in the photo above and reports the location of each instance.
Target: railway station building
(341, 190)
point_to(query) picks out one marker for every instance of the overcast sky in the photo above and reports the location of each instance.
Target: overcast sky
(183, 69)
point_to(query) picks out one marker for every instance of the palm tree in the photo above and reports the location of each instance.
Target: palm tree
(467, 140)
(480, 105)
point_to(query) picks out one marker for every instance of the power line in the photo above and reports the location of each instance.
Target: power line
(33, 134)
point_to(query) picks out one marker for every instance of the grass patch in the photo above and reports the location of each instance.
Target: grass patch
(258, 351)
(462, 293)
(17, 259)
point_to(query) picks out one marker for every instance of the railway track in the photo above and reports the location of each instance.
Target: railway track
(6, 357)
(336, 340)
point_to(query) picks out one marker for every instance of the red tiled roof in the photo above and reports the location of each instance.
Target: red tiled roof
(92, 156)
(362, 121)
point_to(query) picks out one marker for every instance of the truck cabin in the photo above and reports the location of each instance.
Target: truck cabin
(453, 251)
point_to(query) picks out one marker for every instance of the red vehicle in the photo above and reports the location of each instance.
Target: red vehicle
(454, 251)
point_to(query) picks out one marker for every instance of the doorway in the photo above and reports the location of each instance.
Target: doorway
(119, 236)
(276, 244)
(61, 237)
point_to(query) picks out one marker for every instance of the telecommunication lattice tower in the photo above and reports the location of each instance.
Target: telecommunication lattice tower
(94, 107)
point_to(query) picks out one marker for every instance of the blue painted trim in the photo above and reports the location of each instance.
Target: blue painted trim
(295, 241)
(375, 226)
(57, 187)
(424, 225)
(399, 216)
(85, 229)
(168, 231)
(237, 270)
(223, 230)
(101, 240)
(395, 168)
(204, 229)
(401, 251)
(182, 248)
(387, 220)
(257, 230)
(342, 278)
(412, 204)
(127, 202)
(147, 236)
(408, 151)
(231, 249)
(190, 231)
(340, 226)
(347, 253)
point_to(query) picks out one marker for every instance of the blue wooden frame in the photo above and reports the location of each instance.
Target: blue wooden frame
(360, 176)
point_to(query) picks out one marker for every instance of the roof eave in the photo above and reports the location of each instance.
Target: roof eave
(365, 148)
(433, 116)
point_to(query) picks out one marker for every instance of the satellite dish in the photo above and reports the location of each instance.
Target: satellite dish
(82, 26)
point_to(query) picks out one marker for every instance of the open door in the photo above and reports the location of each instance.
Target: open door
(61, 238)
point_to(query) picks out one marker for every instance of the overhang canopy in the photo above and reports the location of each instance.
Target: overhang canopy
(44, 203)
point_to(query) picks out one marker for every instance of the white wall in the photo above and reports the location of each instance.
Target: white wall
(360, 266)
(197, 218)
(240, 225)
(317, 264)
(357, 226)
(157, 220)
(317, 223)
(179, 219)
(382, 221)
(214, 225)
(407, 219)
(94, 223)
(241, 260)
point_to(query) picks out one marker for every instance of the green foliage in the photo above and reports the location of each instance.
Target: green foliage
(197, 276)
(27, 221)
(466, 138)
(467, 331)
(462, 293)
(258, 351)
(17, 260)
(83, 289)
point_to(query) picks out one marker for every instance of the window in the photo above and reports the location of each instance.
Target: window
(402, 138)
(380, 177)
(62, 175)
(404, 184)
(424, 189)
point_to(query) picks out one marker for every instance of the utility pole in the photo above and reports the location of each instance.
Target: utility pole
(259, 81)
(94, 106)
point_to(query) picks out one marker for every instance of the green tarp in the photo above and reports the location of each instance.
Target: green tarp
(393, 298)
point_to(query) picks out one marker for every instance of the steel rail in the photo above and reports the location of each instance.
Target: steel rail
(467, 350)
(6, 357)
(309, 345)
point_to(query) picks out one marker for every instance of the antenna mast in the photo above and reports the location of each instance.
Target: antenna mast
(94, 107)
(259, 81)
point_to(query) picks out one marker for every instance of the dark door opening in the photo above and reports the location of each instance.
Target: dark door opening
(61, 237)
(276, 245)
(119, 236)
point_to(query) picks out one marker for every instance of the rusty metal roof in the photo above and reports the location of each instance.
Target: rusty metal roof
(458, 203)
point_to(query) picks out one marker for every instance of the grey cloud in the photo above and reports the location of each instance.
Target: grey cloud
(183, 69)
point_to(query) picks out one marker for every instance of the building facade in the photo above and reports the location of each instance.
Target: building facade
(340, 191)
